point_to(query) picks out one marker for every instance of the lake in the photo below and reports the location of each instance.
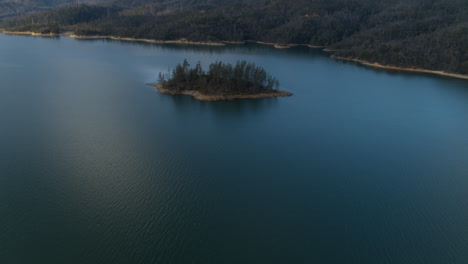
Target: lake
(360, 165)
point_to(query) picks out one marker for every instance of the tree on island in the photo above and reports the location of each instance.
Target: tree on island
(221, 78)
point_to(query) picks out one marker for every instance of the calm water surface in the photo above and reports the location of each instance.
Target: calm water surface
(359, 166)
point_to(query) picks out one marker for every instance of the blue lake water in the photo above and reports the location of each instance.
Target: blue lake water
(359, 166)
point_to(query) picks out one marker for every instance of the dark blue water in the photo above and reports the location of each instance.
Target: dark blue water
(359, 166)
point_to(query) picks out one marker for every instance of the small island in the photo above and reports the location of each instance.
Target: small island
(222, 81)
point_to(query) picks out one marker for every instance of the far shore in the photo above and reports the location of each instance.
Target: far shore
(397, 68)
(69, 34)
(30, 33)
(221, 97)
(223, 43)
(286, 46)
(180, 41)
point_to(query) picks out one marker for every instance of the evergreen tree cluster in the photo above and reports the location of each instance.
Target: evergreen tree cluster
(430, 34)
(221, 78)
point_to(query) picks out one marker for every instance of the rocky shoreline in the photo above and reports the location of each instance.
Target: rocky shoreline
(219, 97)
(223, 43)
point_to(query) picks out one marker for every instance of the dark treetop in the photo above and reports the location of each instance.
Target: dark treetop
(221, 78)
(430, 34)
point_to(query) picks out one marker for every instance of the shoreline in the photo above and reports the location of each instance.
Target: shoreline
(285, 46)
(212, 98)
(180, 41)
(30, 33)
(223, 43)
(154, 41)
(398, 68)
(185, 41)
(71, 35)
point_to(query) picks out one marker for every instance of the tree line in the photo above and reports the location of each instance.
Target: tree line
(431, 34)
(221, 78)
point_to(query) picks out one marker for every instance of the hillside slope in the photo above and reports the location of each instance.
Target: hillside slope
(431, 34)
(16, 8)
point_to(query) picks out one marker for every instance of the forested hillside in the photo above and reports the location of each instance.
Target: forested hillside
(16, 8)
(431, 34)
(67, 17)
(12, 9)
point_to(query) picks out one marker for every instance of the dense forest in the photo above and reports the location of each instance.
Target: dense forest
(430, 34)
(16, 8)
(56, 20)
(221, 78)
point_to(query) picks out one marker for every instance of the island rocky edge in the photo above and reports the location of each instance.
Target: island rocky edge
(222, 81)
(218, 97)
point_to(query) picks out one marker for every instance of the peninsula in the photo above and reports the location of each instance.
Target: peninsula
(222, 81)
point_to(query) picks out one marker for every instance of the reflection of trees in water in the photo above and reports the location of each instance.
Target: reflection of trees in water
(222, 110)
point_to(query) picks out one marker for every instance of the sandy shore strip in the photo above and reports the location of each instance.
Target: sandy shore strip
(212, 98)
(233, 42)
(180, 41)
(285, 46)
(69, 34)
(396, 68)
(29, 33)
(223, 43)
(331, 50)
